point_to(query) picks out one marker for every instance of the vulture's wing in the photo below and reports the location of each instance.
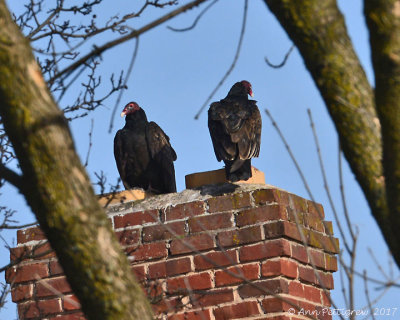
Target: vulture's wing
(162, 152)
(235, 129)
(248, 136)
(120, 156)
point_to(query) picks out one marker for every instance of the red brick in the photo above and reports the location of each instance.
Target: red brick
(329, 244)
(55, 268)
(297, 203)
(278, 304)
(328, 227)
(236, 311)
(331, 262)
(17, 274)
(326, 298)
(153, 290)
(269, 249)
(178, 266)
(30, 234)
(312, 294)
(313, 222)
(299, 252)
(260, 214)
(191, 244)
(148, 251)
(315, 209)
(239, 236)
(139, 272)
(40, 308)
(22, 292)
(214, 260)
(284, 228)
(279, 267)
(166, 305)
(263, 287)
(52, 287)
(163, 231)
(238, 274)
(210, 222)
(229, 202)
(267, 196)
(295, 217)
(157, 270)
(317, 257)
(296, 289)
(200, 281)
(21, 253)
(212, 298)
(71, 302)
(327, 280)
(184, 210)
(192, 315)
(323, 313)
(307, 274)
(128, 237)
(135, 218)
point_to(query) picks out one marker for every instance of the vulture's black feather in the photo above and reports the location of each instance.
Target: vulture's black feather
(235, 128)
(143, 153)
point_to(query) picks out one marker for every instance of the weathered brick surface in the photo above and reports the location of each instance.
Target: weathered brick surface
(30, 234)
(211, 222)
(215, 260)
(193, 243)
(260, 214)
(237, 274)
(239, 236)
(22, 292)
(200, 281)
(219, 258)
(135, 219)
(229, 202)
(184, 210)
(236, 311)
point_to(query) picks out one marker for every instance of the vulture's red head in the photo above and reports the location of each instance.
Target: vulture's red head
(131, 107)
(247, 86)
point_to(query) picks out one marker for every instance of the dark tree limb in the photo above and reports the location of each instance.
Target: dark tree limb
(383, 20)
(10, 176)
(318, 30)
(60, 193)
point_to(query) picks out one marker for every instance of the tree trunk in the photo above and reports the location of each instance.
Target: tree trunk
(318, 30)
(383, 20)
(57, 188)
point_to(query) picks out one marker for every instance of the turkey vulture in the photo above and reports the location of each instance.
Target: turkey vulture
(143, 153)
(235, 128)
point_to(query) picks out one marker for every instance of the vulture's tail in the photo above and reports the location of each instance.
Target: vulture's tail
(238, 169)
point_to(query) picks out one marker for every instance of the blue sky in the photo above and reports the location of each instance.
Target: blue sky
(173, 75)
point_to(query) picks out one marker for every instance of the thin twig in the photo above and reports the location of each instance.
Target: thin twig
(324, 178)
(228, 72)
(195, 21)
(280, 65)
(90, 142)
(367, 295)
(342, 193)
(135, 51)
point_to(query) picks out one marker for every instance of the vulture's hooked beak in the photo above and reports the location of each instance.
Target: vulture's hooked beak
(122, 114)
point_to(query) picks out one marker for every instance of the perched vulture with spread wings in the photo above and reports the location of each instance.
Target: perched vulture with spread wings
(235, 128)
(143, 153)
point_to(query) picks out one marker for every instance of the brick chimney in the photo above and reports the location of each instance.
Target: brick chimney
(222, 251)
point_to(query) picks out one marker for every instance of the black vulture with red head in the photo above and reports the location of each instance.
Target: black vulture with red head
(235, 128)
(143, 153)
